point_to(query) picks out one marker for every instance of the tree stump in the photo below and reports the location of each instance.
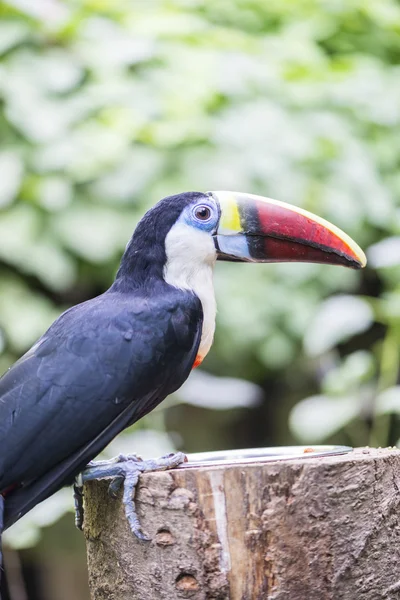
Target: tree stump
(315, 529)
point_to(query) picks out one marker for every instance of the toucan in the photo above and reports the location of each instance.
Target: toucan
(107, 362)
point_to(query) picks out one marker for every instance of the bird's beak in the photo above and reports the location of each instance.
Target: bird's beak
(257, 229)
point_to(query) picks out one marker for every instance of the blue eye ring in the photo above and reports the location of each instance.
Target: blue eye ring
(202, 213)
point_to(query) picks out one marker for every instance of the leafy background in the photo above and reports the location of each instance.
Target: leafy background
(107, 106)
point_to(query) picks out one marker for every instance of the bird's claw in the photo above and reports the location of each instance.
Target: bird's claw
(117, 459)
(124, 471)
(115, 487)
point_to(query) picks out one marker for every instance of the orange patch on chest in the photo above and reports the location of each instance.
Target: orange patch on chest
(198, 361)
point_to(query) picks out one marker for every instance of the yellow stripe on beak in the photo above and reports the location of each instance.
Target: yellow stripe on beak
(230, 217)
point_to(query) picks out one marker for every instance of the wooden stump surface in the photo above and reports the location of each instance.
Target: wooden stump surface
(309, 529)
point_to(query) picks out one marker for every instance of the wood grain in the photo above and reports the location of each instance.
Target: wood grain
(314, 529)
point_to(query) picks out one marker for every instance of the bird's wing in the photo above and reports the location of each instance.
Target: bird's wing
(97, 370)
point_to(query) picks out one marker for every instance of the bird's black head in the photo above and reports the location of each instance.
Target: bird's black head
(146, 253)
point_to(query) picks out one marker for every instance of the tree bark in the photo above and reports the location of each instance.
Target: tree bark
(313, 529)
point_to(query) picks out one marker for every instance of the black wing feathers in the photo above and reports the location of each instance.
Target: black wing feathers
(100, 367)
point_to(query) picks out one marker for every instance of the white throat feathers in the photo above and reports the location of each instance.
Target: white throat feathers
(191, 257)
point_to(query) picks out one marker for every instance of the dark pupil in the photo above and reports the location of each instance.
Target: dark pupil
(203, 213)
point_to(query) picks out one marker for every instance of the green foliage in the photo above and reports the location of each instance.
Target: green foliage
(109, 105)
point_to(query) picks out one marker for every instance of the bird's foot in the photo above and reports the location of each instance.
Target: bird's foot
(113, 488)
(123, 471)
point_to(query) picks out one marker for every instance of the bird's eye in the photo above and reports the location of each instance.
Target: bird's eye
(202, 213)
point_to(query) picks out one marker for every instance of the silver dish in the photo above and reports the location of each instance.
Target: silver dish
(252, 455)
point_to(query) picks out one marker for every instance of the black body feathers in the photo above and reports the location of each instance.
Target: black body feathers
(99, 368)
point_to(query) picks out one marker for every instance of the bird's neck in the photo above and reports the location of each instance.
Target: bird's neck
(200, 282)
(185, 260)
(140, 264)
(144, 257)
(190, 266)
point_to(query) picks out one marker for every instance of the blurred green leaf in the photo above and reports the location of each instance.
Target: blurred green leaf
(316, 418)
(385, 253)
(388, 402)
(336, 320)
(356, 369)
(23, 317)
(219, 393)
(11, 171)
